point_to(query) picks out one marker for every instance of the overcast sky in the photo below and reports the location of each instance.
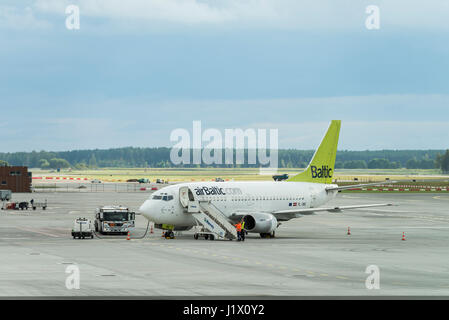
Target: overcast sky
(138, 69)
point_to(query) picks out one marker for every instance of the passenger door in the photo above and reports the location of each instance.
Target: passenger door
(184, 196)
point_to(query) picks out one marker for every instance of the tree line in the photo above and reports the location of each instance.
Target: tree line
(287, 158)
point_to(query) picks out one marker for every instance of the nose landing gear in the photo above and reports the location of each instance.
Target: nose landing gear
(169, 234)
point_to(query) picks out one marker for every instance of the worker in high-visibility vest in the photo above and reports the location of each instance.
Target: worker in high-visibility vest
(238, 227)
(243, 231)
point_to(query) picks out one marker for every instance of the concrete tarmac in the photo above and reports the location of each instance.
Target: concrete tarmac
(310, 256)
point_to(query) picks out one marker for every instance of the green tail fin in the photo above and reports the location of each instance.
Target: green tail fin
(321, 167)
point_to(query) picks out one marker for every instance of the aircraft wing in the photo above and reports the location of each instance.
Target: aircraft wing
(308, 211)
(356, 186)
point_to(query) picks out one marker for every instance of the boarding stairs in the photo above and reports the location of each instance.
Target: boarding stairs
(207, 215)
(226, 229)
(212, 220)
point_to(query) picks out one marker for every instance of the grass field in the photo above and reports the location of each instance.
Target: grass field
(344, 176)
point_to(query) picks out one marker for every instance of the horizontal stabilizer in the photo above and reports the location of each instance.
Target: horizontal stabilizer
(356, 186)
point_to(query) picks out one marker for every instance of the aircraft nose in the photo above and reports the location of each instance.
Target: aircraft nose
(142, 207)
(145, 208)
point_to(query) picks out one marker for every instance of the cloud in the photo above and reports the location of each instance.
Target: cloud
(192, 12)
(365, 135)
(17, 18)
(321, 15)
(368, 122)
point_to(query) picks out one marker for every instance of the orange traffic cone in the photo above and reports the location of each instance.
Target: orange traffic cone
(129, 236)
(349, 231)
(403, 236)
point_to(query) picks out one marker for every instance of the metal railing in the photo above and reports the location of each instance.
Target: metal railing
(92, 187)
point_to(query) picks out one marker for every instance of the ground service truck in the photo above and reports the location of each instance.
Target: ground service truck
(82, 228)
(114, 220)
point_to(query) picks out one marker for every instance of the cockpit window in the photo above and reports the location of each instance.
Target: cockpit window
(163, 196)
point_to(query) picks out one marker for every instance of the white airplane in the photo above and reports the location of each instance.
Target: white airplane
(216, 206)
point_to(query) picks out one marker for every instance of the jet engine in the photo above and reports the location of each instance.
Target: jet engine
(260, 222)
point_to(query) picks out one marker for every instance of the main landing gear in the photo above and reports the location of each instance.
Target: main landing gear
(268, 235)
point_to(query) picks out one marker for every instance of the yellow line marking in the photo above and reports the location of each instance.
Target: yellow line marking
(37, 231)
(310, 272)
(441, 198)
(341, 277)
(324, 274)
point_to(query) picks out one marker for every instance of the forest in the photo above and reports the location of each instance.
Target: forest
(132, 157)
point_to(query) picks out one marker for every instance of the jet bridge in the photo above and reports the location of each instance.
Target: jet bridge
(213, 222)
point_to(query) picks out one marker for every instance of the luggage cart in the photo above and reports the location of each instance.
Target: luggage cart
(36, 205)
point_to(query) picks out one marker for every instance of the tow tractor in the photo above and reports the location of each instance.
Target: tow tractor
(167, 230)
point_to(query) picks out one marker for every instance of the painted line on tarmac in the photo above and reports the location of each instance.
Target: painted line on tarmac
(36, 231)
(307, 273)
(387, 211)
(400, 227)
(441, 197)
(396, 283)
(349, 197)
